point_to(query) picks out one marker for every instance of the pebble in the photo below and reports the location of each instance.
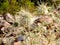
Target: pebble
(20, 38)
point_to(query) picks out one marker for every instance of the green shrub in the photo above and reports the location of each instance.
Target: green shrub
(26, 4)
(15, 24)
(6, 6)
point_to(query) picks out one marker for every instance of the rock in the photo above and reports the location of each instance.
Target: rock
(20, 38)
(2, 28)
(4, 23)
(1, 17)
(17, 43)
(8, 17)
(46, 19)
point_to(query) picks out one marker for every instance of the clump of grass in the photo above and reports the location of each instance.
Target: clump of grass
(15, 24)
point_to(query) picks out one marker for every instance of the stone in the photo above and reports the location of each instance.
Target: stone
(17, 43)
(4, 23)
(46, 19)
(20, 38)
(1, 17)
(8, 17)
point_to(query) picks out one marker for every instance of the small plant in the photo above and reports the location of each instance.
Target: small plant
(15, 24)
